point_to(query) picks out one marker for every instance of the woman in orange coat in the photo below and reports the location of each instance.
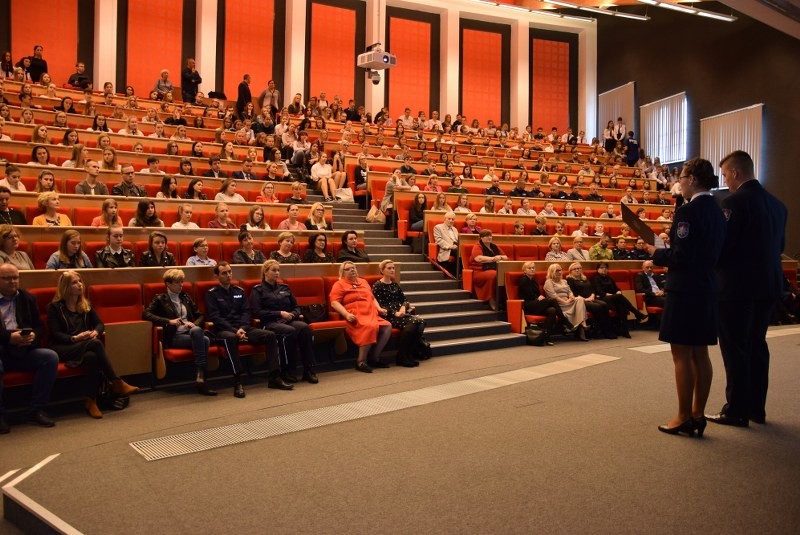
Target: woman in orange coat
(483, 262)
(352, 298)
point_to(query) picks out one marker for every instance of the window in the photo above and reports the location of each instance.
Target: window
(617, 102)
(663, 130)
(734, 130)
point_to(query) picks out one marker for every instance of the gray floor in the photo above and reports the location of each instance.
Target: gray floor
(570, 453)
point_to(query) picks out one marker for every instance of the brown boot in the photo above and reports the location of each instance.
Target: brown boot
(122, 388)
(93, 410)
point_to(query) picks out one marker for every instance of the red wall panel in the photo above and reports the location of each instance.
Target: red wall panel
(481, 71)
(332, 52)
(550, 98)
(154, 43)
(248, 44)
(52, 24)
(409, 81)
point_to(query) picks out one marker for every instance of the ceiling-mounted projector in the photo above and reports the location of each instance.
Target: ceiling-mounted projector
(376, 60)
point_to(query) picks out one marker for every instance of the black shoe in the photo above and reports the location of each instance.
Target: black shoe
(642, 318)
(279, 384)
(724, 419)
(238, 390)
(363, 367)
(310, 377)
(4, 429)
(39, 417)
(759, 419)
(377, 364)
(205, 390)
(289, 377)
(686, 427)
(700, 426)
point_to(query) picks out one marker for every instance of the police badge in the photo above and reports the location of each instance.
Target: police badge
(682, 230)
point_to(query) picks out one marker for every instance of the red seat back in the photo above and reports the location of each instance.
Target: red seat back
(117, 302)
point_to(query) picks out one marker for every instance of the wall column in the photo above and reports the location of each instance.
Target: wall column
(105, 43)
(206, 45)
(519, 109)
(376, 33)
(295, 77)
(450, 41)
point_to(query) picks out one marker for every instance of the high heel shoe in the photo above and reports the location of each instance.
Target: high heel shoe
(686, 427)
(580, 334)
(700, 426)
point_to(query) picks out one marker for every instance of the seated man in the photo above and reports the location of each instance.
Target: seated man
(79, 79)
(651, 285)
(247, 171)
(593, 195)
(128, 188)
(600, 250)
(152, 166)
(9, 216)
(21, 329)
(229, 311)
(494, 189)
(578, 253)
(445, 235)
(215, 162)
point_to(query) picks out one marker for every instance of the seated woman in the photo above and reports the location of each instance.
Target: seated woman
(606, 290)
(40, 155)
(535, 302)
(255, 219)
(113, 255)
(145, 215)
(317, 250)
(316, 218)
(267, 194)
(581, 286)
(621, 251)
(46, 181)
(157, 254)
(573, 308)
(169, 188)
(352, 298)
(247, 254)
(350, 250)
(416, 212)
(483, 261)
(401, 314)
(274, 304)
(291, 222)
(49, 202)
(284, 254)
(554, 252)
(9, 249)
(462, 206)
(177, 313)
(488, 205)
(80, 153)
(75, 330)
(221, 218)
(108, 215)
(322, 177)
(69, 254)
(227, 192)
(471, 224)
(195, 190)
(200, 258)
(395, 183)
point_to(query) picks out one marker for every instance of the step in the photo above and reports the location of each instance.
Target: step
(454, 319)
(340, 208)
(363, 225)
(399, 257)
(348, 218)
(418, 266)
(441, 307)
(429, 285)
(389, 250)
(372, 240)
(408, 275)
(437, 295)
(472, 330)
(468, 345)
(380, 233)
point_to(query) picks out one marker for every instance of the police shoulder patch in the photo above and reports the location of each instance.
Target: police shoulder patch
(683, 230)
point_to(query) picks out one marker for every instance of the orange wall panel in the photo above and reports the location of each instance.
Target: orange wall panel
(550, 98)
(481, 75)
(52, 24)
(154, 43)
(409, 81)
(248, 44)
(332, 53)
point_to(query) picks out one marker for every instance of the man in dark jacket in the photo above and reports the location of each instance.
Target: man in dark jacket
(229, 311)
(21, 329)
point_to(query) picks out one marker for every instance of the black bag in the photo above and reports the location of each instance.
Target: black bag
(422, 351)
(314, 313)
(107, 399)
(535, 335)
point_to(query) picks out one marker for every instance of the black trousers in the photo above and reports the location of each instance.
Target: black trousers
(291, 335)
(550, 310)
(255, 336)
(742, 341)
(620, 304)
(599, 311)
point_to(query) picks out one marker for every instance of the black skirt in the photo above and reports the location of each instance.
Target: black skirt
(690, 319)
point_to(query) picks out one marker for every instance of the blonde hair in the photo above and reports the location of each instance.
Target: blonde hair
(528, 264)
(266, 265)
(44, 198)
(311, 215)
(285, 236)
(384, 263)
(582, 276)
(173, 275)
(63, 285)
(342, 266)
(551, 270)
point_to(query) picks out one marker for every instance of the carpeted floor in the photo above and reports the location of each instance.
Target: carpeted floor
(575, 452)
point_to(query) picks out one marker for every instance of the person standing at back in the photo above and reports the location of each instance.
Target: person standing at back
(750, 285)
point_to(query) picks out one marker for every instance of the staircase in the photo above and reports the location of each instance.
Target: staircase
(457, 323)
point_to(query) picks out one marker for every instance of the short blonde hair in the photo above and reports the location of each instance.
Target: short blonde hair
(528, 264)
(285, 236)
(551, 270)
(173, 275)
(44, 198)
(268, 264)
(383, 264)
(342, 266)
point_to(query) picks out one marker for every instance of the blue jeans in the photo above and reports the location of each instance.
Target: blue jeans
(417, 225)
(43, 362)
(197, 341)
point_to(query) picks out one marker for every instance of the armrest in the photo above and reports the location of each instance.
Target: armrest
(516, 316)
(466, 278)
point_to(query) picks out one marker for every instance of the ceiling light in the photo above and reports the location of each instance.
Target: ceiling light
(717, 16)
(547, 13)
(676, 7)
(651, 2)
(595, 10)
(518, 8)
(562, 4)
(575, 17)
(630, 16)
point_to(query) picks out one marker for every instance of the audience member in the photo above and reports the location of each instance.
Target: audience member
(157, 254)
(650, 284)
(350, 251)
(114, 255)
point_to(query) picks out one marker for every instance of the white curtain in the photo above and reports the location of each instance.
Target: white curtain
(617, 102)
(663, 128)
(734, 130)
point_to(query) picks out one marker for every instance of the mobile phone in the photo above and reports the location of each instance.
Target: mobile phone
(26, 331)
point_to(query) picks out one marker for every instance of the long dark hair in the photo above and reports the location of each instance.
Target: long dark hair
(165, 182)
(142, 219)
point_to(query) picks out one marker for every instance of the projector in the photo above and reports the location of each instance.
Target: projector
(376, 59)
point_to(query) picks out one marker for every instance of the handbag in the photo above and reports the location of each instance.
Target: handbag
(375, 215)
(314, 313)
(344, 194)
(535, 335)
